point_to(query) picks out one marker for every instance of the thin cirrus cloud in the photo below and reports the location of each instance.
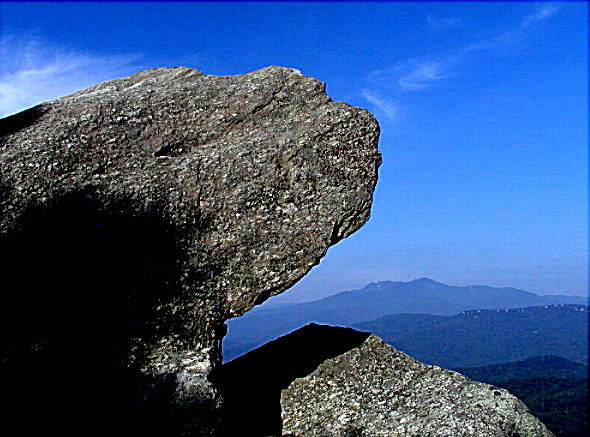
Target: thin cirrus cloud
(418, 74)
(33, 71)
(384, 105)
(545, 11)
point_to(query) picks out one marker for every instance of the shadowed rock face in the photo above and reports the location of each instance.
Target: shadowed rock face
(373, 389)
(139, 214)
(251, 384)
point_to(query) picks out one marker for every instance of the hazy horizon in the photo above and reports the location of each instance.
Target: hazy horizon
(295, 295)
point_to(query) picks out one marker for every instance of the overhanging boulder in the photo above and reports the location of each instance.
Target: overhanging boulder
(137, 215)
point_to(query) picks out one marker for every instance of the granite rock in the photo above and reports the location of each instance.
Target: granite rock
(376, 390)
(137, 215)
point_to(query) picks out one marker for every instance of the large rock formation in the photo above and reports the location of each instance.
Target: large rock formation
(375, 390)
(136, 216)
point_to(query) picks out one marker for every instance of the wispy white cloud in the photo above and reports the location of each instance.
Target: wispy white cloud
(423, 73)
(510, 38)
(384, 105)
(33, 71)
(544, 11)
(414, 74)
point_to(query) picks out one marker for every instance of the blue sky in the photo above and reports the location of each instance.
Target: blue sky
(483, 109)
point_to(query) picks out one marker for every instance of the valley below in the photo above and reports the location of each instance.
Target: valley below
(536, 347)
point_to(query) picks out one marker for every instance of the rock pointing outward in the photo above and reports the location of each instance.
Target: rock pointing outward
(375, 390)
(138, 215)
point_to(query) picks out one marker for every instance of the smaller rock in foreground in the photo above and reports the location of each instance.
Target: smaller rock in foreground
(375, 390)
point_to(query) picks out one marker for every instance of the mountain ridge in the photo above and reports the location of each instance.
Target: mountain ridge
(544, 366)
(376, 299)
(464, 339)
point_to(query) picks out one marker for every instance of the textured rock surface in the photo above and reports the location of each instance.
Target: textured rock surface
(375, 390)
(139, 214)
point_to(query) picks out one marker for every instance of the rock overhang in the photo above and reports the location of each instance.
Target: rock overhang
(157, 146)
(220, 191)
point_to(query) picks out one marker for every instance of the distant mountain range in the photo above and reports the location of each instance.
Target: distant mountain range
(554, 389)
(484, 337)
(547, 366)
(378, 299)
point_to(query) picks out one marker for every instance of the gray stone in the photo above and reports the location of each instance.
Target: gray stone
(376, 390)
(137, 215)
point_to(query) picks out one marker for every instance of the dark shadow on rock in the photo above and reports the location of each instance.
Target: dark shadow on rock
(251, 384)
(14, 123)
(81, 288)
